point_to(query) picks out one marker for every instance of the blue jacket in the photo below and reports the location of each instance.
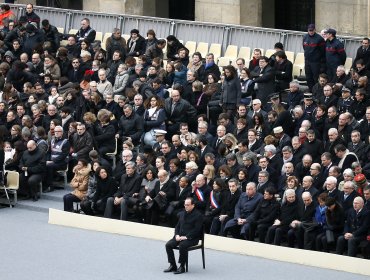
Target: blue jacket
(314, 48)
(246, 206)
(335, 53)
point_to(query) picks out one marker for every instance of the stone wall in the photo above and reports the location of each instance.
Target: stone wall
(347, 17)
(222, 11)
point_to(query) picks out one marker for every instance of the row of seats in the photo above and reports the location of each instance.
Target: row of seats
(230, 55)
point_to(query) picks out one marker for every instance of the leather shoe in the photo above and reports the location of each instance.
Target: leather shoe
(171, 268)
(35, 198)
(180, 270)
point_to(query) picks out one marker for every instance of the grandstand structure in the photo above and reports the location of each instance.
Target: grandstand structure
(226, 41)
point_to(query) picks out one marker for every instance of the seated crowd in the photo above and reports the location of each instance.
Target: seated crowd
(261, 159)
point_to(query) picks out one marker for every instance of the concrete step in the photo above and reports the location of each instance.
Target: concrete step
(47, 200)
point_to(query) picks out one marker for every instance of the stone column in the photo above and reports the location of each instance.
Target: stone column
(221, 11)
(347, 17)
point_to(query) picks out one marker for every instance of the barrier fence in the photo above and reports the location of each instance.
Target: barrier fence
(224, 34)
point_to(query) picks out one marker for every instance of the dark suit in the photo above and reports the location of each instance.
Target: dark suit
(160, 203)
(306, 215)
(189, 225)
(265, 78)
(177, 205)
(358, 225)
(202, 162)
(334, 193)
(363, 54)
(228, 202)
(347, 203)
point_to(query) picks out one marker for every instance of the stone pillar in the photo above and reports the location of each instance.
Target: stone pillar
(251, 12)
(347, 17)
(221, 11)
(131, 7)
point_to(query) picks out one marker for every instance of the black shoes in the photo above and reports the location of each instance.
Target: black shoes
(171, 268)
(180, 270)
(35, 197)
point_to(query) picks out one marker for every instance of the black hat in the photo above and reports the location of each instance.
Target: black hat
(311, 26)
(307, 95)
(134, 31)
(331, 31)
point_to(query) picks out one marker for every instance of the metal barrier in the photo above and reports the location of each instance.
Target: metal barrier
(224, 34)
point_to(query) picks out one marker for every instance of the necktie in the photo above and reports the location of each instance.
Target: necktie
(326, 99)
(173, 107)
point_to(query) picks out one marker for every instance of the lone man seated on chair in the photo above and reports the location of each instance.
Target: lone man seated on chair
(188, 231)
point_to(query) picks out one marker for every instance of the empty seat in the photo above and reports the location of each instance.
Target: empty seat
(191, 46)
(269, 52)
(60, 30)
(73, 31)
(290, 56)
(298, 70)
(216, 50)
(299, 59)
(202, 48)
(99, 36)
(348, 64)
(231, 52)
(298, 66)
(244, 52)
(105, 38)
(113, 155)
(11, 187)
(223, 61)
(126, 37)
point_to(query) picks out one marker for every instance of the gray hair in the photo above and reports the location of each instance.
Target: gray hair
(130, 164)
(331, 179)
(270, 148)
(348, 172)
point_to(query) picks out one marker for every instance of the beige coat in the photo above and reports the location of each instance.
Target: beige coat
(80, 182)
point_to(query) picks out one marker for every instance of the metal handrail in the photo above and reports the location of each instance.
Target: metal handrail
(184, 29)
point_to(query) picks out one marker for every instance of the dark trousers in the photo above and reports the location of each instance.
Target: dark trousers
(98, 209)
(50, 172)
(275, 234)
(352, 245)
(183, 250)
(261, 231)
(29, 184)
(123, 207)
(217, 227)
(68, 200)
(296, 234)
(312, 71)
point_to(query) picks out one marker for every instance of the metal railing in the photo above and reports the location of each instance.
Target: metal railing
(224, 34)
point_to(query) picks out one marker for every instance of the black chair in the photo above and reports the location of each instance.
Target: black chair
(196, 247)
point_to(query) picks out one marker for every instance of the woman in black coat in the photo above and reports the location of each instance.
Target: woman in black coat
(105, 134)
(334, 223)
(106, 186)
(231, 91)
